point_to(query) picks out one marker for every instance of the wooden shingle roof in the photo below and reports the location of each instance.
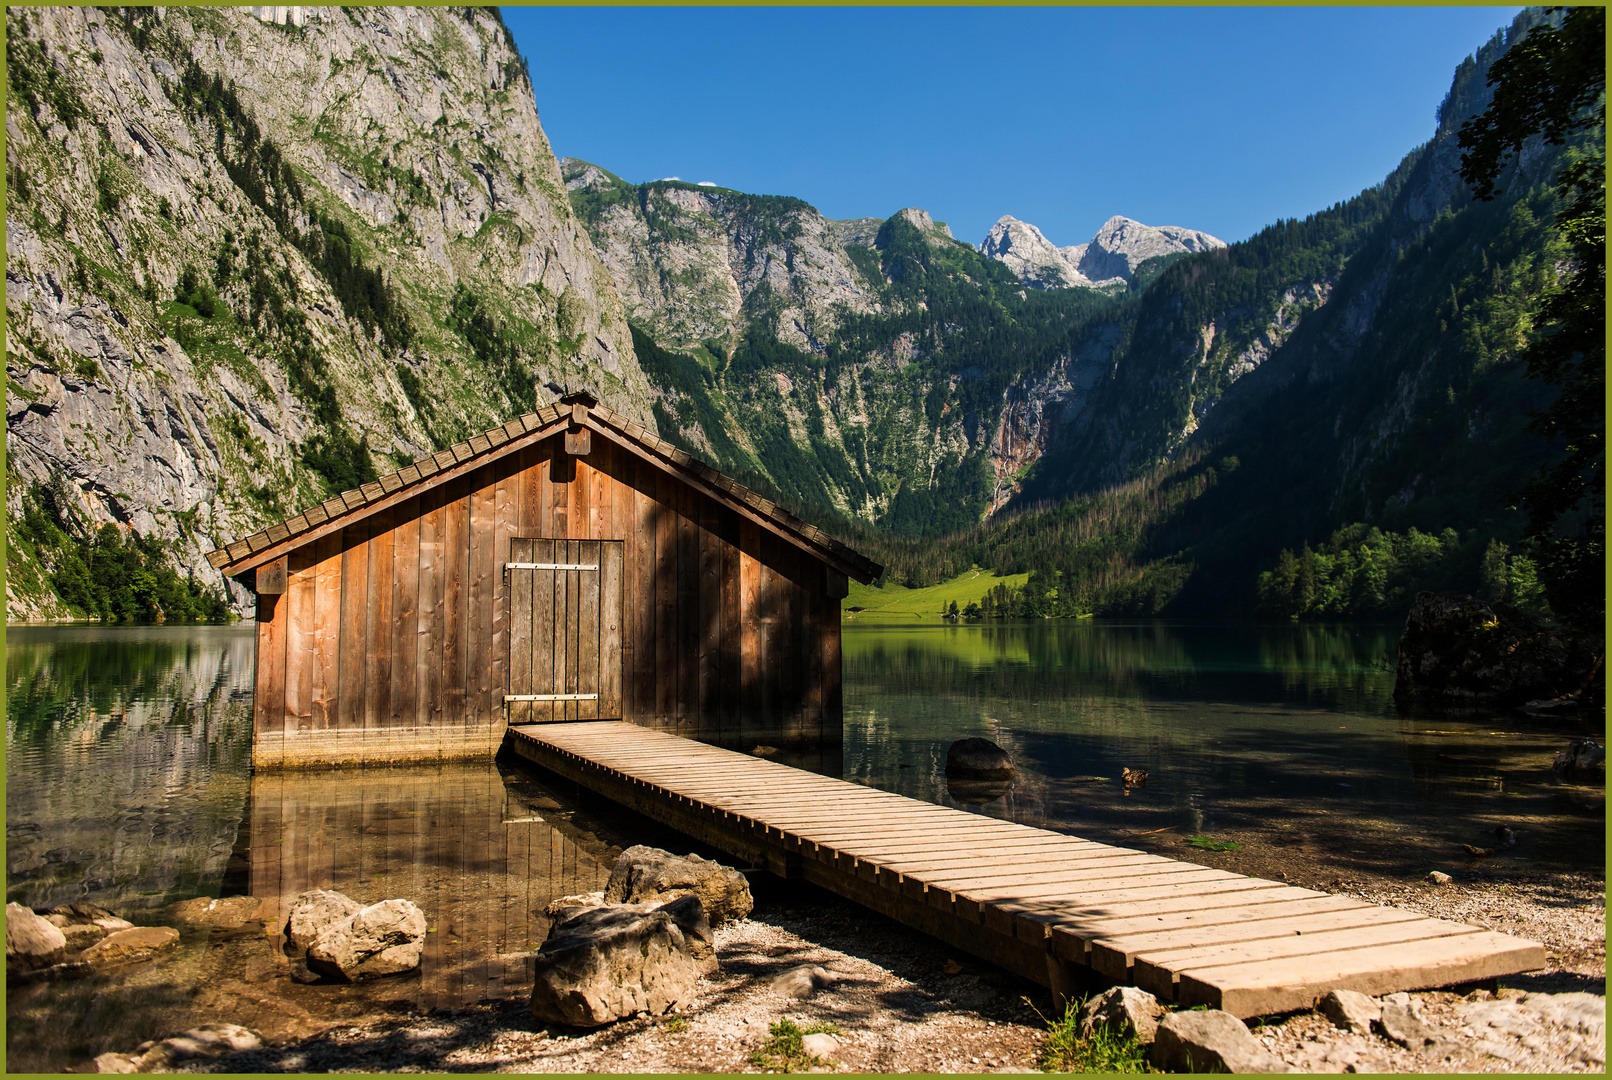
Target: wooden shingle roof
(434, 469)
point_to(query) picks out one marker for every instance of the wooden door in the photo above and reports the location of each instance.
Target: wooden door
(565, 630)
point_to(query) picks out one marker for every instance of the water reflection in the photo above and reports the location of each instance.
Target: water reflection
(126, 759)
(1286, 737)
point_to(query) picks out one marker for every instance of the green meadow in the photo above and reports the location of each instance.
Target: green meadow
(898, 602)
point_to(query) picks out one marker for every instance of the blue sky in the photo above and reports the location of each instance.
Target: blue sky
(1221, 119)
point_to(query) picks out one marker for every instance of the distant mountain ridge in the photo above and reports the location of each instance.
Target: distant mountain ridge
(1109, 260)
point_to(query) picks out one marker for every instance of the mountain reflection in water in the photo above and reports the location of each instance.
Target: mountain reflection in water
(1284, 737)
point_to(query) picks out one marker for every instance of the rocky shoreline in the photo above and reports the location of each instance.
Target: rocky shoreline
(883, 998)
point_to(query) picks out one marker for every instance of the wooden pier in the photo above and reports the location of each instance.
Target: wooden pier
(1043, 904)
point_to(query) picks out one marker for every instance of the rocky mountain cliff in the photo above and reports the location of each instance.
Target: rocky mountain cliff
(1111, 259)
(255, 255)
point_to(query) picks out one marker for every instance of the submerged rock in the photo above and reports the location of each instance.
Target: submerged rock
(225, 913)
(646, 875)
(1584, 761)
(1459, 652)
(131, 946)
(607, 963)
(978, 759)
(31, 942)
(383, 939)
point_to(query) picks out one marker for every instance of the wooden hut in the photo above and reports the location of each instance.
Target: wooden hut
(567, 565)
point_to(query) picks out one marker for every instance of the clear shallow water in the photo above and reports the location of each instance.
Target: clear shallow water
(129, 785)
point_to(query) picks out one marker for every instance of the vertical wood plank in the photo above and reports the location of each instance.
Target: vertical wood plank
(791, 651)
(816, 601)
(506, 515)
(405, 611)
(378, 623)
(429, 620)
(299, 652)
(588, 632)
(562, 626)
(561, 469)
(665, 669)
(326, 631)
(641, 596)
(481, 547)
(354, 611)
(688, 609)
(269, 692)
(750, 614)
(612, 558)
(543, 636)
(581, 499)
(771, 660)
(731, 667)
(457, 623)
(709, 598)
(520, 630)
(833, 692)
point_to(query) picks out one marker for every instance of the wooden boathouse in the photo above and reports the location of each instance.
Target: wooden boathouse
(569, 565)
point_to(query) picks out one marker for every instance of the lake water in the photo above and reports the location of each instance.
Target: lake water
(129, 785)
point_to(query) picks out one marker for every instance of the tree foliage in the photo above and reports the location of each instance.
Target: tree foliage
(1551, 86)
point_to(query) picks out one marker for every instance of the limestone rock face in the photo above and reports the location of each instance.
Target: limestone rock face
(423, 145)
(646, 875)
(313, 912)
(31, 942)
(612, 962)
(1125, 1011)
(1459, 652)
(1210, 1041)
(1108, 260)
(383, 939)
(131, 946)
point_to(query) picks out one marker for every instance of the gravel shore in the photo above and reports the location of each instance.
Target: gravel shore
(901, 1002)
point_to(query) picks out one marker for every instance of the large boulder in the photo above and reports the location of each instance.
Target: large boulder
(383, 939)
(314, 911)
(646, 875)
(607, 963)
(1583, 762)
(1458, 652)
(1124, 1011)
(131, 946)
(1210, 1041)
(978, 759)
(31, 942)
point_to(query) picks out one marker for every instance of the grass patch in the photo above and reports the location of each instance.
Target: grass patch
(1209, 843)
(1103, 1051)
(675, 1025)
(905, 604)
(784, 1052)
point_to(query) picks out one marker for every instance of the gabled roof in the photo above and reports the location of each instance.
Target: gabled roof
(490, 445)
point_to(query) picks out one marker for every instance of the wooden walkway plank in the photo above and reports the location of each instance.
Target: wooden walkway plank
(1025, 898)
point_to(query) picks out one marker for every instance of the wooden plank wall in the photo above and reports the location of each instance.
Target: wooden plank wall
(391, 642)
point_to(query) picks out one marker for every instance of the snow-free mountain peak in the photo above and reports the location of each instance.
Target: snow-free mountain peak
(1110, 258)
